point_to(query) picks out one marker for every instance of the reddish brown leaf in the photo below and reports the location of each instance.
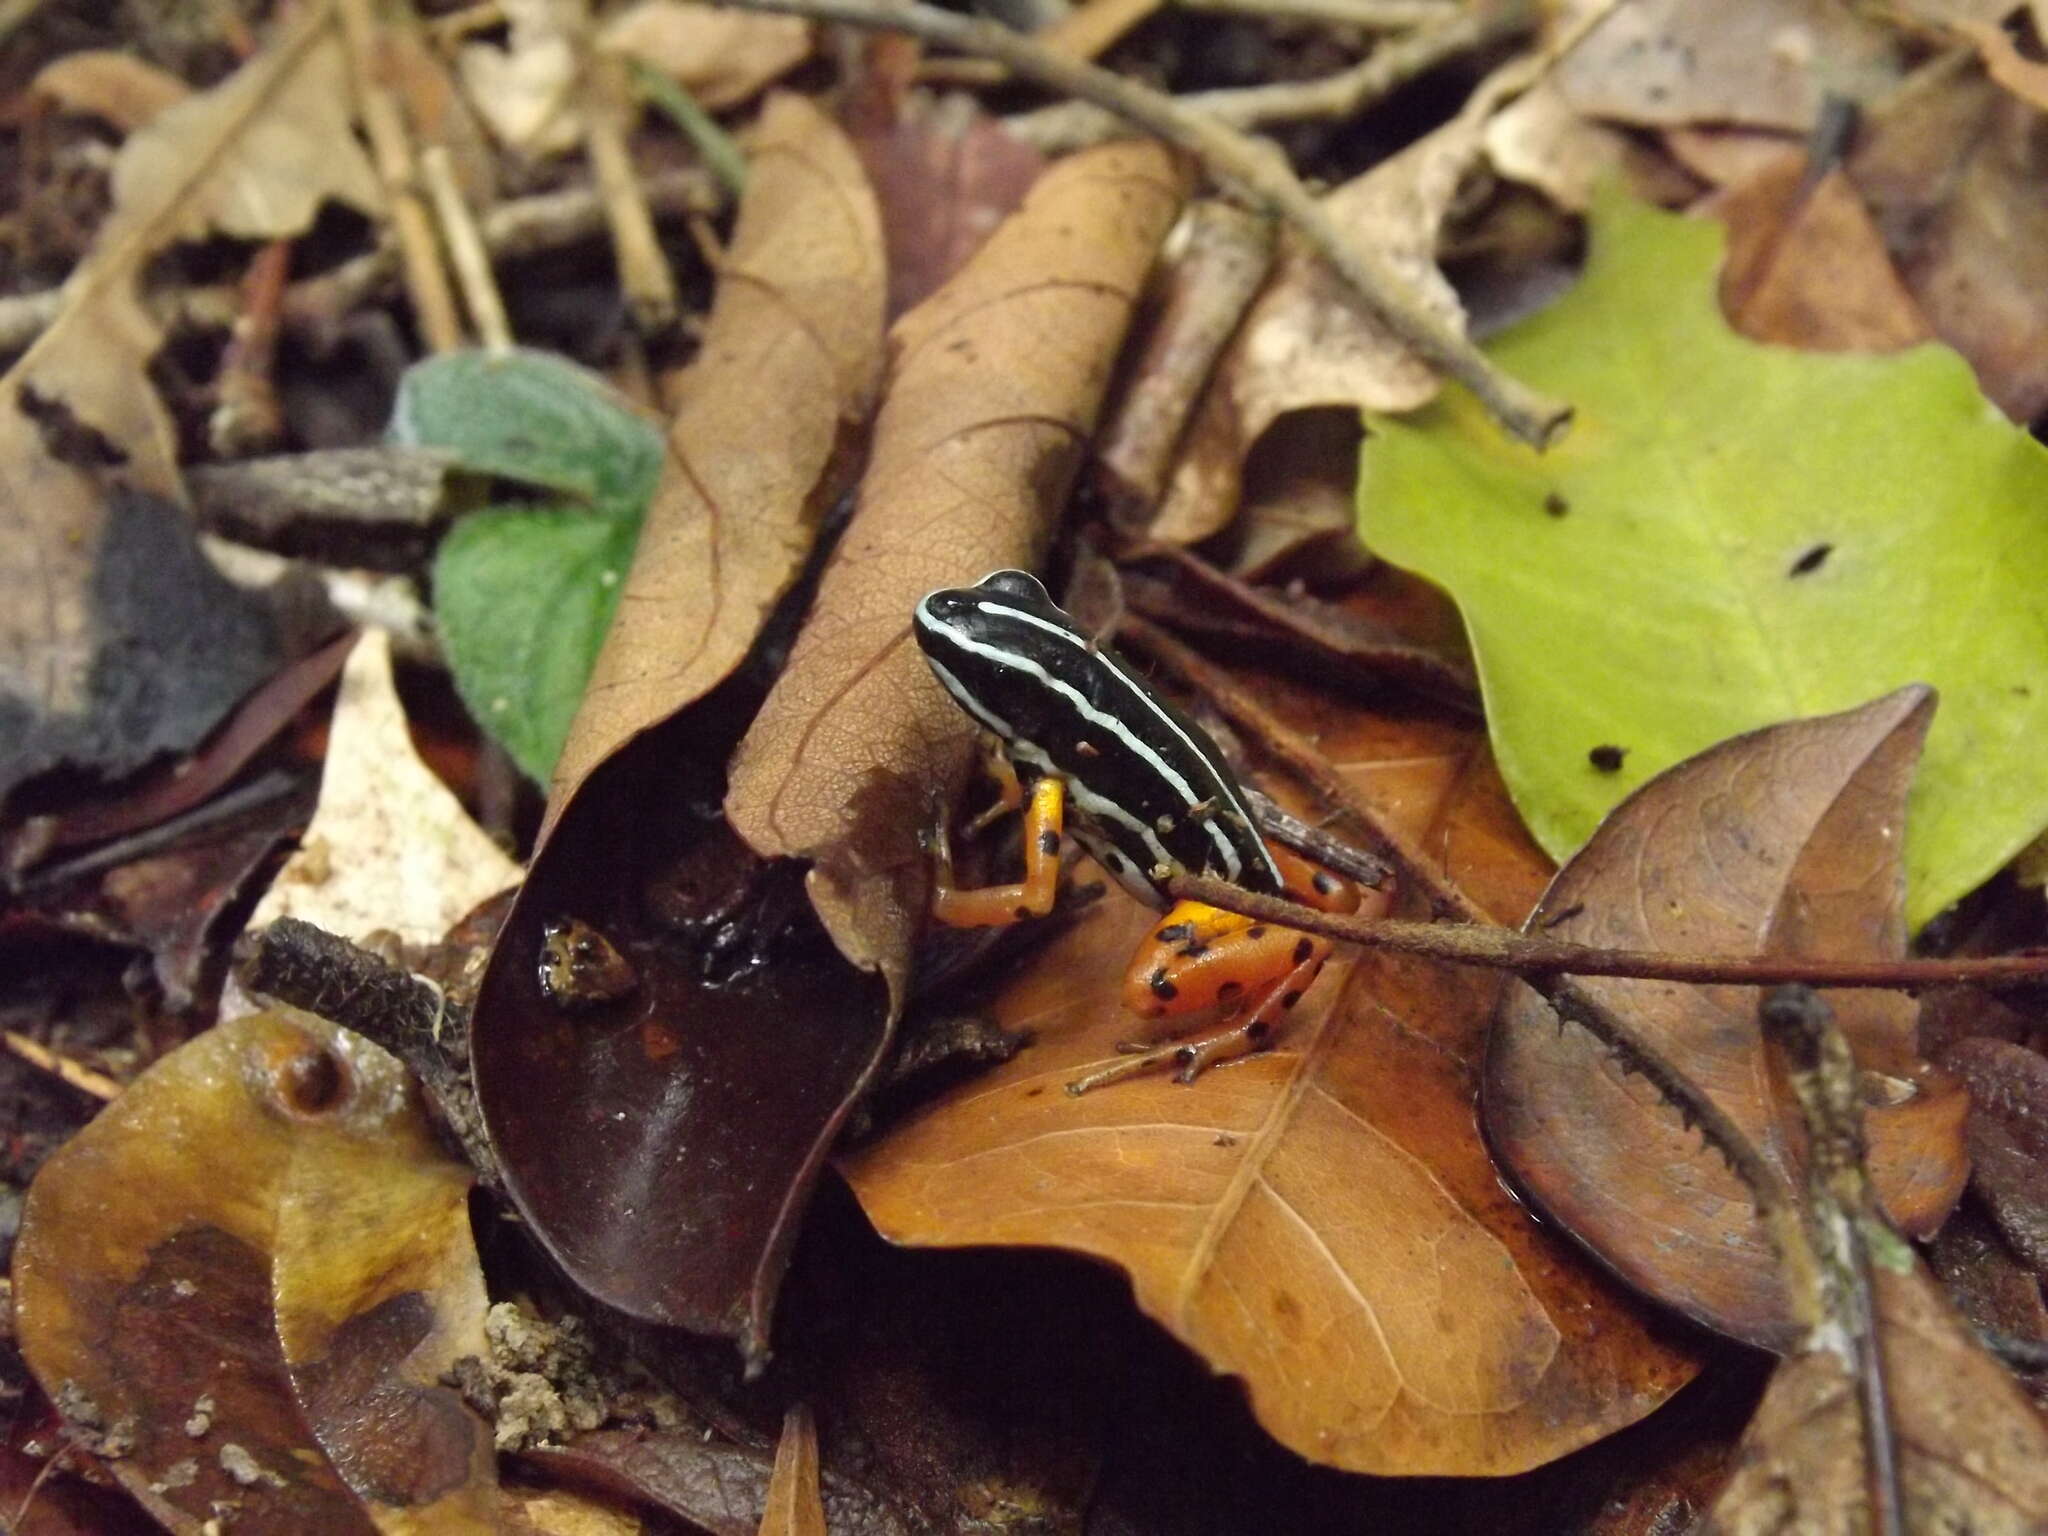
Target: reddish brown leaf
(261, 1239)
(791, 358)
(946, 178)
(1806, 267)
(2009, 1139)
(1322, 1220)
(994, 388)
(1783, 842)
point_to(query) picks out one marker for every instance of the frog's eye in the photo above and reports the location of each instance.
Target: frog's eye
(1018, 584)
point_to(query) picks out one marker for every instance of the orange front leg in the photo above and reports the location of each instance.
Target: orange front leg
(995, 906)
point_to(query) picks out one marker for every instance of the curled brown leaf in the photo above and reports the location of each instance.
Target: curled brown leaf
(1784, 841)
(791, 359)
(994, 386)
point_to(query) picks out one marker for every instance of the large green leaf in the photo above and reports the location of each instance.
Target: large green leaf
(1732, 534)
(524, 594)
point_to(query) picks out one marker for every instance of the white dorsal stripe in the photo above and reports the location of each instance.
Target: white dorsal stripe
(1143, 695)
(1159, 765)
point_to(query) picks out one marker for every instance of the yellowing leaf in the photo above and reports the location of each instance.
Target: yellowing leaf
(255, 1267)
(1732, 535)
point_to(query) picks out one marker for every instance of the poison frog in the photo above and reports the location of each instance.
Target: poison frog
(1150, 797)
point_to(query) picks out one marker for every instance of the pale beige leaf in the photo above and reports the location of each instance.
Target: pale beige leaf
(523, 90)
(253, 159)
(1543, 142)
(787, 373)
(995, 386)
(102, 82)
(721, 58)
(1306, 343)
(1762, 64)
(390, 847)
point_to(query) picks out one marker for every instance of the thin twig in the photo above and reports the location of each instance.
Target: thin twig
(314, 305)
(714, 146)
(246, 416)
(466, 253)
(1253, 170)
(426, 280)
(644, 273)
(1529, 955)
(1072, 125)
(41, 1057)
(1279, 741)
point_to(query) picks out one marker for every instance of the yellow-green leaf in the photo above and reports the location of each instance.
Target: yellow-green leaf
(1732, 534)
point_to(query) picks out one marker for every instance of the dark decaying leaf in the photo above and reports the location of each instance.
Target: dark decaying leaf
(661, 1138)
(243, 1281)
(164, 646)
(660, 1124)
(994, 387)
(2009, 1140)
(1784, 842)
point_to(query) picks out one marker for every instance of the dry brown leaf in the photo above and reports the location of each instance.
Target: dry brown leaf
(390, 847)
(1785, 842)
(796, 1507)
(255, 1266)
(994, 386)
(1952, 168)
(787, 373)
(1722, 156)
(1807, 268)
(721, 58)
(102, 82)
(1322, 1220)
(2026, 78)
(1542, 141)
(1306, 343)
(1764, 64)
(253, 158)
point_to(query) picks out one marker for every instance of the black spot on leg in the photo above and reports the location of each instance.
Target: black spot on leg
(1228, 990)
(1162, 989)
(1048, 842)
(1257, 1030)
(1325, 883)
(1173, 933)
(1256, 931)
(1021, 913)
(1289, 999)
(1303, 949)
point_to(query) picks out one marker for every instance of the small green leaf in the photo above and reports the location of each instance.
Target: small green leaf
(1732, 534)
(524, 597)
(532, 417)
(523, 594)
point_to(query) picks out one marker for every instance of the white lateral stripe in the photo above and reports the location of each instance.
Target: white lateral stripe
(970, 703)
(1084, 797)
(1143, 695)
(1089, 712)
